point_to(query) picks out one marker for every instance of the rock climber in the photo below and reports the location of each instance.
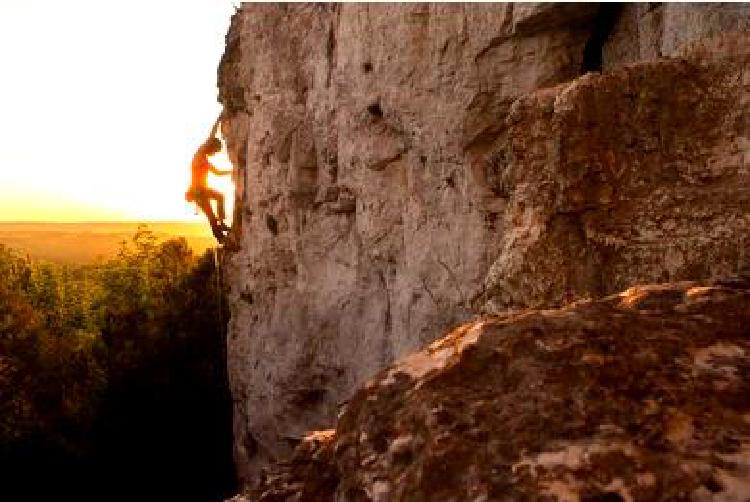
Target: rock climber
(199, 191)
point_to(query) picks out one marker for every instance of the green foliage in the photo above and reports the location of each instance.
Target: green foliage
(76, 341)
(51, 368)
(19, 334)
(134, 291)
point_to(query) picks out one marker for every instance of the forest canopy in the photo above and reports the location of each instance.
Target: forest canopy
(107, 370)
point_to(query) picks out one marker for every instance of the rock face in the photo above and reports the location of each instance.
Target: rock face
(648, 31)
(636, 175)
(402, 168)
(641, 396)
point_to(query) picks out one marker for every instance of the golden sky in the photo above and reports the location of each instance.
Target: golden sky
(102, 105)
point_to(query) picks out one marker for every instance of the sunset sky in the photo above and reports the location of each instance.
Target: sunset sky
(102, 105)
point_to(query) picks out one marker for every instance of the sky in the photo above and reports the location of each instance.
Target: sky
(102, 105)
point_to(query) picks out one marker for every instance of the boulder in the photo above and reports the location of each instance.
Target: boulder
(640, 396)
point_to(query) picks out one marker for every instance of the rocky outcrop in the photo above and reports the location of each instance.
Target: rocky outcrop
(635, 175)
(641, 396)
(402, 168)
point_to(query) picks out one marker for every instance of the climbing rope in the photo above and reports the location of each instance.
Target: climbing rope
(219, 290)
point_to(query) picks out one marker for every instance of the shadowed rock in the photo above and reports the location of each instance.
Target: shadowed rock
(640, 396)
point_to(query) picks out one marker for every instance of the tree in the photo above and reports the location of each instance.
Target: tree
(101, 364)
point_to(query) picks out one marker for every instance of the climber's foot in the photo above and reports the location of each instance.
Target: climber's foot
(230, 244)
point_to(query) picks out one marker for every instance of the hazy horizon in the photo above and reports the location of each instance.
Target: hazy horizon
(78, 243)
(94, 222)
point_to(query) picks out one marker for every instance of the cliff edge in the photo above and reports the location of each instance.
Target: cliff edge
(402, 169)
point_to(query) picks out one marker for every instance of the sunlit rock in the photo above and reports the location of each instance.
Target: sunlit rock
(405, 168)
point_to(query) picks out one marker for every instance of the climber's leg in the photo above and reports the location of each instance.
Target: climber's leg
(219, 198)
(218, 231)
(217, 227)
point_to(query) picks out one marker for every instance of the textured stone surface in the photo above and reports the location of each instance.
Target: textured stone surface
(647, 31)
(641, 396)
(637, 175)
(397, 174)
(367, 225)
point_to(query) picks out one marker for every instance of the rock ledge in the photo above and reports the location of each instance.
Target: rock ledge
(640, 396)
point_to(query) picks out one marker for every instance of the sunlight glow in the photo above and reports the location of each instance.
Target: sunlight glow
(101, 114)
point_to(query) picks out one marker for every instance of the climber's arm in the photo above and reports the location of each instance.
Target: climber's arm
(219, 172)
(215, 128)
(217, 124)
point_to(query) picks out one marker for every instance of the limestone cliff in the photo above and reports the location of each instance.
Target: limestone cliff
(403, 168)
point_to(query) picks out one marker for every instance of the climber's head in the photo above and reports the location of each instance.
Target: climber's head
(212, 146)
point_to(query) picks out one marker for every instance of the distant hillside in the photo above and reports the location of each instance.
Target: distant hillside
(82, 243)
